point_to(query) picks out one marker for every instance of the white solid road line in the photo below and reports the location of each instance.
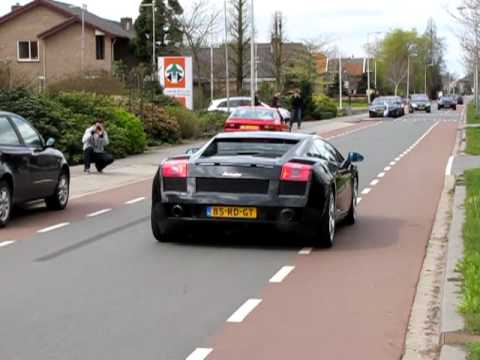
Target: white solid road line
(240, 315)
(448, 170)
(305, 251)
(6, 243)
(98, 213)
(374, 182)
(281, 274)
(134, 201)
(199, 354)
(366, 191)
(54, 227)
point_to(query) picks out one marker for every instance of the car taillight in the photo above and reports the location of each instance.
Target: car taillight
(175, 169)
(296, 172)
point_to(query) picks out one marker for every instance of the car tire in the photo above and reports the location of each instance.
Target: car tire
(352, 213)
(429, 111)
(6, 204)
(454, 108)
(59, 200)
(372, 115)
(162, 229)
(328, 223)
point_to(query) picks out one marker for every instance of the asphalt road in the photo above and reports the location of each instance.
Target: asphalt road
(102, 288)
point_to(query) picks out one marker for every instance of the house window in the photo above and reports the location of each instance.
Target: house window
(100, 39)
(27, 50)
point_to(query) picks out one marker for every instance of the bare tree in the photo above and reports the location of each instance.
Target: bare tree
(277, 41)
(240, 40)
(199, 23)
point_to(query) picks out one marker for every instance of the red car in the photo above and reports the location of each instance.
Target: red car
(255, 119)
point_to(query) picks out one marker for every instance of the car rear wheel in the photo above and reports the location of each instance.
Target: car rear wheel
(59, 200)
(162, 229)
(352, 213)
(5, 203)
(328, 223)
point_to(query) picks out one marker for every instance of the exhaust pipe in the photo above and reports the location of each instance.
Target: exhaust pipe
(287, 215)
(177, 211)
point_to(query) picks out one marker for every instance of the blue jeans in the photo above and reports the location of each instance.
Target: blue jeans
(296, 118)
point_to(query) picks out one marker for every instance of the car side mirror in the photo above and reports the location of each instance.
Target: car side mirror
(50, 142)
(192, 151)
(354, 157)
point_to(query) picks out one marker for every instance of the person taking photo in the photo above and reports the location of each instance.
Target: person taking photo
(94, 141)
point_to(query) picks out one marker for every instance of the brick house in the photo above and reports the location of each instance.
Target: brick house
(41, 42)
(354, 69)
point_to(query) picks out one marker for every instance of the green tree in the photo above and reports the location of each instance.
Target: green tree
(240, 40)
(168, 33)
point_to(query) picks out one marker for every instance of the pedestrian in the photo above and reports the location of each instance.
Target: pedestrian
(276, 105)
(257, 100)
(297, 111)
(94, 141)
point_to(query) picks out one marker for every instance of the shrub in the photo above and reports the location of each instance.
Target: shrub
(323, 108)
(211, 122)
(187, 120)
(159, 126)
(98, 84)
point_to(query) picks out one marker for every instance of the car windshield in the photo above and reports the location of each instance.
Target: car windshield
(419, 98)
(269, 148)
(254, 114)
(383, 100)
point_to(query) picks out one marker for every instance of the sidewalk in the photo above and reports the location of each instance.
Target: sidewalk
(143, 167)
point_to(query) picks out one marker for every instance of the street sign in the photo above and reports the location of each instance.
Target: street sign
(176, 78)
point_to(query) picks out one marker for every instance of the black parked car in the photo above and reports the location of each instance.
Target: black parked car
(30, 169)
(420, 102)
(447, 102)
(295, 182)
(387, 106)
(459, 100)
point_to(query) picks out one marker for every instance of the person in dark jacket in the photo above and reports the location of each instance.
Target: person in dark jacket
(276, 105)
(297, 111)
(257, 100)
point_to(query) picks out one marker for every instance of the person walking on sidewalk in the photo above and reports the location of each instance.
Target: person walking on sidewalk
(94, 141)
(297, 111)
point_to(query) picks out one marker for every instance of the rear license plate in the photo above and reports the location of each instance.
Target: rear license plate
(249, 127)
(223, 212)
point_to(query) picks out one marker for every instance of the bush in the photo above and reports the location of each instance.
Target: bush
(323, 108)
(212, 122)
(159, 126)
(187, 120)
(99, 84)
(66, 116)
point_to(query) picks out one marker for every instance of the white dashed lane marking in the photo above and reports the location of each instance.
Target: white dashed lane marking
(281, 274)
(98, 213)
(6, 243)
(240, 315)
(199, 354)
(134, 201)
(366, 191)
(305, 251)
(54, 227)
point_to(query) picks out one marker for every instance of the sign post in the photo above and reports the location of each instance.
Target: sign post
(176, 78)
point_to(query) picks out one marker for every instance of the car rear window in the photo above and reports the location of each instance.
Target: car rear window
(254, 114)
(268, 148)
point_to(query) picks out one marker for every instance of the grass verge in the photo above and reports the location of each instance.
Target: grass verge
(470, 266)
(473, 351)
(473, 134)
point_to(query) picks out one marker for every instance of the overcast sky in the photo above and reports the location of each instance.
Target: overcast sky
(347, 22)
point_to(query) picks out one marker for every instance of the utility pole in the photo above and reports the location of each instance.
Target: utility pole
(82, 56)
(340, 81)
(211, 72)
(227, 74)
(375, 74)
(252, 56)
(408, 76)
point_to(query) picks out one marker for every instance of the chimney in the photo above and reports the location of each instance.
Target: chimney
(127, 23)
(16, 7)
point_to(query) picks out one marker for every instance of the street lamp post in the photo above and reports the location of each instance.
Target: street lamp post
(227, 73)
(368, 66)
(340, 81)
(409, 55)
(252, 56)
